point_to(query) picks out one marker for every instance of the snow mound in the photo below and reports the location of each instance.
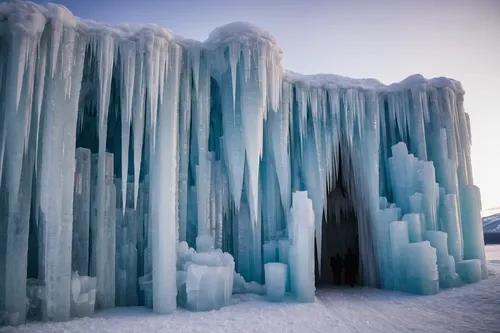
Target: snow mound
(239, 32)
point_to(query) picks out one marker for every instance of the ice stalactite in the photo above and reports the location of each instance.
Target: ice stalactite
(138, 118)
(127, 54)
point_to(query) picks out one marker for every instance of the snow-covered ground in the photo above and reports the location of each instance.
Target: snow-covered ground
(472, 308)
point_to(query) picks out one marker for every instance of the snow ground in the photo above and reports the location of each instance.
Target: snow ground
(472, 308)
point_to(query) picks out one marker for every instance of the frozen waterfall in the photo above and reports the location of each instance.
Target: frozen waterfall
(122, 147)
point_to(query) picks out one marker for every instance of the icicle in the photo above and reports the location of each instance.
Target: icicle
(138, 118)
(184, 141)
(127, 53)
(234, 55)
(233, 144)
(252, 114)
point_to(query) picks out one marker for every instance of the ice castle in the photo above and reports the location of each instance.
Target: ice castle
(141, 168)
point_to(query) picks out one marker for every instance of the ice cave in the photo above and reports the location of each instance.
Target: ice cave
(141, 168)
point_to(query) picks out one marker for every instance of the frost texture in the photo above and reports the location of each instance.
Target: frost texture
(211, 144)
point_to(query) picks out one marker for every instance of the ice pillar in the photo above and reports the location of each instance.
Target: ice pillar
(103, 233)
(163, 167)
(56, 171)
(302, 249)
(472, 225)
(81, 213)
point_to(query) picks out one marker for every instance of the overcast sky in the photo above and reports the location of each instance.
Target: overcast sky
(384, 39)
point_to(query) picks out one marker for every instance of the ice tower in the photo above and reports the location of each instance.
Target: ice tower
(122, 150)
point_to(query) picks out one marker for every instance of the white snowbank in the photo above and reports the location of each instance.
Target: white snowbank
(31, 19)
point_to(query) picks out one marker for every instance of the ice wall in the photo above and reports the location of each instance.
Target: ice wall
(209, 139)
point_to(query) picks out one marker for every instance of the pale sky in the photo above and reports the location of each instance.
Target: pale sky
(384, 39)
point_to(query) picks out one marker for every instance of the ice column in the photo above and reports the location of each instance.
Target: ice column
(302, 249)
(103, 233)
(57, 169)
(451, 225)
(399, 239)
(17, 224)
(164, 182)
(472, 225)
(81, 213)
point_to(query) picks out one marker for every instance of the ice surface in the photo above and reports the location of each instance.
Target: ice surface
(195, 141)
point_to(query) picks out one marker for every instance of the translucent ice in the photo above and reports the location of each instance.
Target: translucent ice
(276, 279)
(421, 268)
(301, 252)
(205, 142)
(204, 280)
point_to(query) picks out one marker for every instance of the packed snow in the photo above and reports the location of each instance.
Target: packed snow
(472, 308)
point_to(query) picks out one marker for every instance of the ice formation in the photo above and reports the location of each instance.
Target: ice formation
(119, 146)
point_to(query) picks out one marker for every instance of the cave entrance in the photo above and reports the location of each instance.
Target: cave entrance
(339, 228)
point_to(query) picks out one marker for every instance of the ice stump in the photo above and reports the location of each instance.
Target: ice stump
(448, 278)
(421, 268)
(204, 280)
(83, 295)
(470, 270)
(276, 280)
